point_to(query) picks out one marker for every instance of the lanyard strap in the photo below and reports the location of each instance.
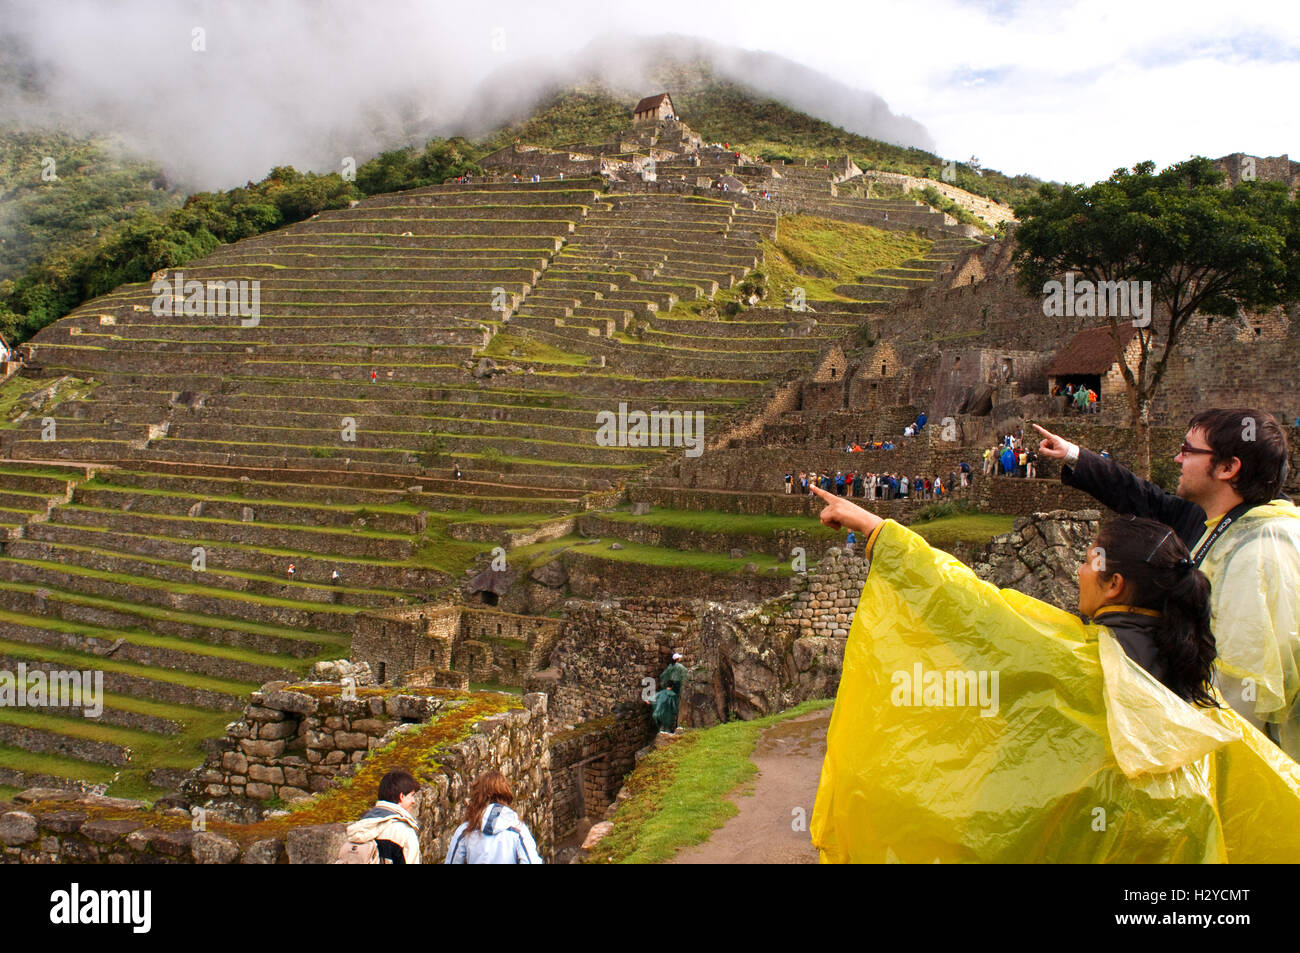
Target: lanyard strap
(1203, 550)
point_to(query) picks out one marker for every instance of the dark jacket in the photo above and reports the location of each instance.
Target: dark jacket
(1127, 493)
(1136, 635)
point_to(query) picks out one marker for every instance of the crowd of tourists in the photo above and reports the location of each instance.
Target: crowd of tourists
(1081, 399)
(1012, 457)
(882, 486)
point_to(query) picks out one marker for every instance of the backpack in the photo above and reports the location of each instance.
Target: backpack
(365, 853)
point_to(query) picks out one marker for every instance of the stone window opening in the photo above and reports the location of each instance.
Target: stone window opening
(432, 653)
(498, 628)
(382, 673)
(883, 368)
(832, 373)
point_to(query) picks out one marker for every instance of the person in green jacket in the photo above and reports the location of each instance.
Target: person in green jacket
(674, 675)
(665, 709)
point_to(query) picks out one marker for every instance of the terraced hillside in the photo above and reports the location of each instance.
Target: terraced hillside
(420, 384)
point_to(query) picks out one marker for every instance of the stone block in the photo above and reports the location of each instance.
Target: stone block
(234, 762)
(371, 726)
(260, 792)
(315, 844)
(350, 740)
(299, 703)
(272, 731)
(62, 822)
(262, 749)
(415, 707)
(16, 828)
(261, 714)
(265, 774)
(210, 848)
(297, 777)
(173, 843)
(263, 852)
(107, 831)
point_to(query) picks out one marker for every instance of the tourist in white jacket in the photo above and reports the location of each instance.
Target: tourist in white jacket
(390, 824)
(492, 832)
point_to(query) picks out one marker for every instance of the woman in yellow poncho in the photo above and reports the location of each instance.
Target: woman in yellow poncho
(980, 725)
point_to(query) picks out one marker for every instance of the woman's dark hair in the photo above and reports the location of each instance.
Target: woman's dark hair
(396, 783)
(1159, 575)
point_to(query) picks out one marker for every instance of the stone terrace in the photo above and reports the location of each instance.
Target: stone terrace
(150, 537)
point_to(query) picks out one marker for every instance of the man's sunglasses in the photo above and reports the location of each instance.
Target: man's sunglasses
(1187, 448)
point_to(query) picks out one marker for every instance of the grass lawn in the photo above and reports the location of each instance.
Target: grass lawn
(500, 347)
(679, 793)
(718, 521)
(12, 390)
(966, 528)
(539, 553)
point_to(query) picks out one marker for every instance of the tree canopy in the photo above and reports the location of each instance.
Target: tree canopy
(1203, 247)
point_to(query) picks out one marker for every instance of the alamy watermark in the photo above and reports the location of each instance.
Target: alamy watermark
(53, 689)
(176, 296)
(658, 428)
(951, 689)
(1086, 299)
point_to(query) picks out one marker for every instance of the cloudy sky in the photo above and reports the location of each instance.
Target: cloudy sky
(1065, 91)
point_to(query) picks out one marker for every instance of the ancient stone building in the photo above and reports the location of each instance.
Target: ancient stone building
(654, 108)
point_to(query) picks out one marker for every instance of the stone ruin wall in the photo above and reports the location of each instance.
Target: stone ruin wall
(590, 762)
(57, 826)
(1218, 360)
(291, 744)
(451, 644)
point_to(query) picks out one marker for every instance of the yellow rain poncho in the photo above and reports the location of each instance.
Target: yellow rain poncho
(977, 724)
(1254, 573)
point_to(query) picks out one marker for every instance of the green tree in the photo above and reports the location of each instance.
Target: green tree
(1203, 247)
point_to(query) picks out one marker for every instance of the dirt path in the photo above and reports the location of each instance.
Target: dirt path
(789, 758)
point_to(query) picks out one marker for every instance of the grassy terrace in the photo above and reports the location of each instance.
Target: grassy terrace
(181, 751)
(818, 254)
(12, 404)
(82, 661)
(538, 553)
(194, 619)
(142, 637)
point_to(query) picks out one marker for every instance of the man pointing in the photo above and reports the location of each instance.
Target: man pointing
(1243, 534)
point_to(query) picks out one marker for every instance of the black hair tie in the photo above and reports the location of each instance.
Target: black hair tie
(1184, 566)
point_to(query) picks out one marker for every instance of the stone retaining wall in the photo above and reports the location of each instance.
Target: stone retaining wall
(47, 825)
(590, 761)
